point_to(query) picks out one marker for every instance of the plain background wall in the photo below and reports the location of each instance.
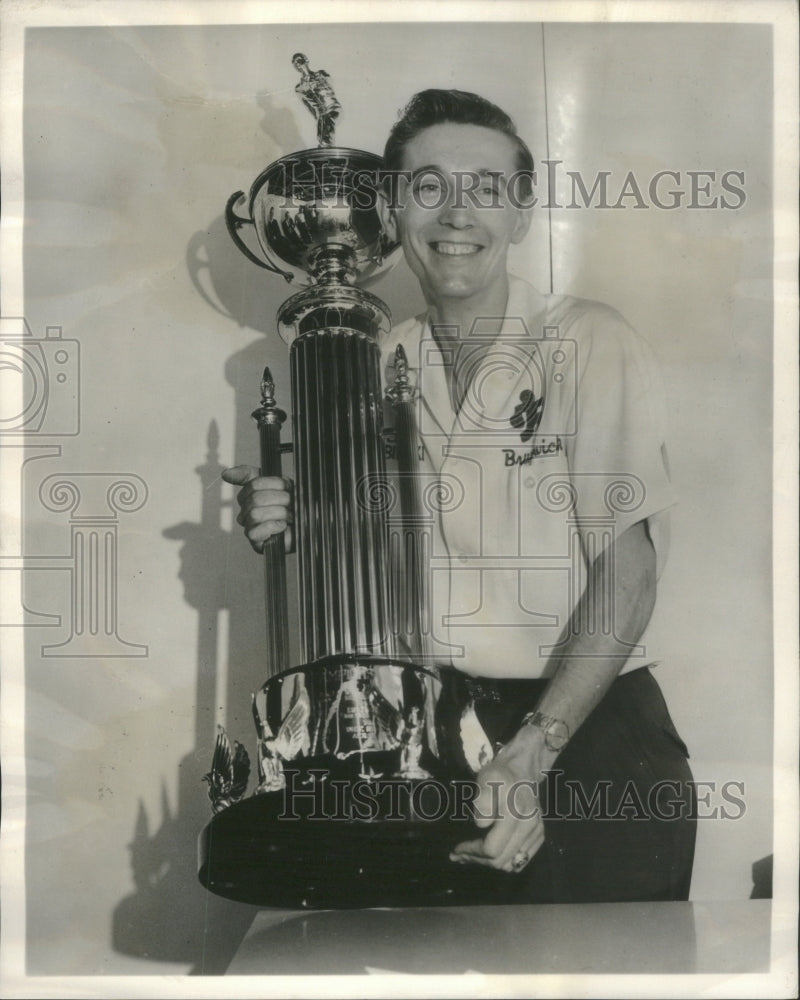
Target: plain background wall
(134, 138)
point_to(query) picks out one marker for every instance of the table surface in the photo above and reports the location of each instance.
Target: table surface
(601, 938)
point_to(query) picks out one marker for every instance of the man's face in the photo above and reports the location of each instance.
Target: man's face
(456, 247)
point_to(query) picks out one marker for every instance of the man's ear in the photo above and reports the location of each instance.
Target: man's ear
(522, 224)
(388, 216)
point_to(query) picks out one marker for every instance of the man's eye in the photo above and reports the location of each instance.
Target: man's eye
(428, 183)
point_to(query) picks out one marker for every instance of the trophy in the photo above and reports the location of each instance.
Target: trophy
(354, 801)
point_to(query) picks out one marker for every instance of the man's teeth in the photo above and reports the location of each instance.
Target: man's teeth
(456, 249)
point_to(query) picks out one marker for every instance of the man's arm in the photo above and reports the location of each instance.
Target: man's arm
(622, 584)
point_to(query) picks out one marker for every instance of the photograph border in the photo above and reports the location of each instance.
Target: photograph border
(781, 980)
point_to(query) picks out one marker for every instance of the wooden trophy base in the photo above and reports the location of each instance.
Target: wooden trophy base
(296, 852)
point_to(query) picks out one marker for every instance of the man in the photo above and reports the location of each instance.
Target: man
(553, 549)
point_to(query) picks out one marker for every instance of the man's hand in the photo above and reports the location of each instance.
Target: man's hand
(582, 673)
(265, 504)
(507, 805)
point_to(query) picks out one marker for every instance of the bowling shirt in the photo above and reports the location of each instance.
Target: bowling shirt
(556, 449)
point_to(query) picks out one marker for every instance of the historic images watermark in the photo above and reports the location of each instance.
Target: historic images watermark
(41, 405)
(553, 186)
(430, 188)
(313, 795)
(45, 372)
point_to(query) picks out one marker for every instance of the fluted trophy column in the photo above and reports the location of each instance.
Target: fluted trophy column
(341, 536)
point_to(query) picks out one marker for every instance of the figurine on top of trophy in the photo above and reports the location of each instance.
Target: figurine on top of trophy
(317, 94)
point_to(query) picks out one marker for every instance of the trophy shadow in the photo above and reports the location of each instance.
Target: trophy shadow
(230, 286)
(279, 123)
(170, 917)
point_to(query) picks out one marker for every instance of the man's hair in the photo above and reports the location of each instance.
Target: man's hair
(435, 107)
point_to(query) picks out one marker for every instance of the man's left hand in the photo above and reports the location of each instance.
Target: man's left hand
(508, 807)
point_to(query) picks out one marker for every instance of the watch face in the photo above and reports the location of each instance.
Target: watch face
(557, 735)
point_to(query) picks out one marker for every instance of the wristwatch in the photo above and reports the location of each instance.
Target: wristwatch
(556, 731)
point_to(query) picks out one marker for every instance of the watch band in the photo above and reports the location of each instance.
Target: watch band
(556, 731)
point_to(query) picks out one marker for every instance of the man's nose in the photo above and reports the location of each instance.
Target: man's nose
(456, 213)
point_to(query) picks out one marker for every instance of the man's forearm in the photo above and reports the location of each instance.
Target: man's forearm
(620, 591)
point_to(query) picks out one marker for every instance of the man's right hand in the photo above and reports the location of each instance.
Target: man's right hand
(265, 504)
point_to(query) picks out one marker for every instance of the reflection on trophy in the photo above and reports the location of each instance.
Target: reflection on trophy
(351, 805)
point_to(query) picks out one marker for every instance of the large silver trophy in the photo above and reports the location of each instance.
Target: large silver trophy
(353, 799)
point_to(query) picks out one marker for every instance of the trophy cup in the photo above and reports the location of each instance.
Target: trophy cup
(354, 797)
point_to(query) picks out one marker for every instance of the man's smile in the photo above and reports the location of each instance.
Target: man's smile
(455, 249)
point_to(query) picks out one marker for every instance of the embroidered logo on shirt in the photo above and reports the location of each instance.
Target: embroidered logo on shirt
(527, 414)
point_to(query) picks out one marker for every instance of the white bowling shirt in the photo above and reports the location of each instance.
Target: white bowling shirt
(557, 449)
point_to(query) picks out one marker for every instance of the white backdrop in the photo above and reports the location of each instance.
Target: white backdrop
(133, 139)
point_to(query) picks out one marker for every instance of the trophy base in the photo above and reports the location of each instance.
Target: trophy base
(272, 852)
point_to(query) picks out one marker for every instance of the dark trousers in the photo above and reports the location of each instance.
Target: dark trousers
(619, 807)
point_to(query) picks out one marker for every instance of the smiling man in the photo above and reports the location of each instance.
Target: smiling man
(455, 234)
(542, 416)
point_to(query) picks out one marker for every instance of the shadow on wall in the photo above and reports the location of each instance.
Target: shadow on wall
(170, 917)
(243, 293)
(230, 285)
(279, 123)
(762, 878)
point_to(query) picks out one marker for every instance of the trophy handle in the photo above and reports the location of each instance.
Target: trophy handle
(234, 223)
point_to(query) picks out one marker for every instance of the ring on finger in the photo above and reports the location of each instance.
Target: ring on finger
(519, 861)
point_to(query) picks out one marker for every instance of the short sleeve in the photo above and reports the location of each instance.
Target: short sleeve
(617, 455)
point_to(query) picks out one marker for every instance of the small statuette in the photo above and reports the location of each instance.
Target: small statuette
(317, 94)
(229, 774)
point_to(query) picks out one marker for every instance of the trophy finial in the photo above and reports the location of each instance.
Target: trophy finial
(267, 388)
(268, 412)
(401, 390)
(317, 94)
